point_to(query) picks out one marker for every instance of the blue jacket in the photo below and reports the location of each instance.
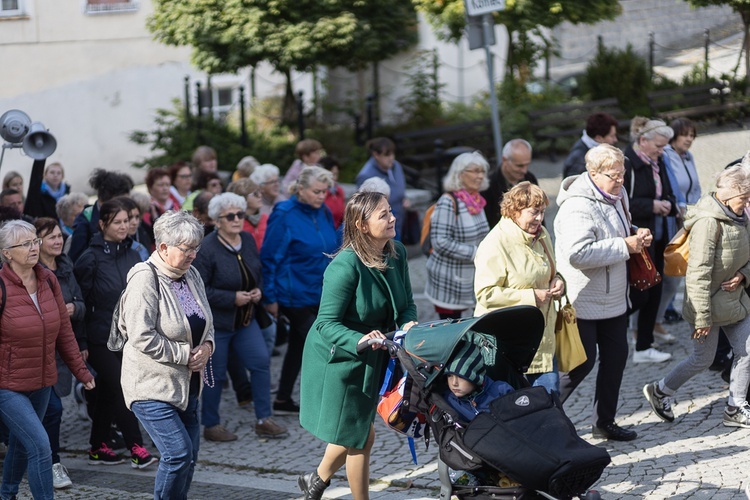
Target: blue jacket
(295, 252)
(471, 406)
(397, 185)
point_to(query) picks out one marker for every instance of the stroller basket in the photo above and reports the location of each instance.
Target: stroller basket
(575, 482)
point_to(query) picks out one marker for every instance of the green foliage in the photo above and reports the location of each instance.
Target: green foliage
(516, 99)
(422, 106)
(696, 75)
(622, 74)
(174, 138)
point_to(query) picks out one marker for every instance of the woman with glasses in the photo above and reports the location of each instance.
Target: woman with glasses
(231, 271)
(267, 177)
(182, 179)
(457, 226)
(102, 272)
(33, 325)
(158, 183)
(592, 245)
(166, 319)
(296, 251)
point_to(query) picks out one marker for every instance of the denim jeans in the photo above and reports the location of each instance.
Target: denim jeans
(28, 444)
(176, 435)
(51, 422)
(248, 342)
(548, 380)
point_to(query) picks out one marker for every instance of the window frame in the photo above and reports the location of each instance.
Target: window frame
(113, 7)
(18, 11)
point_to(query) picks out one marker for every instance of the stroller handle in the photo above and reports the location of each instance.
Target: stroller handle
(392, 346)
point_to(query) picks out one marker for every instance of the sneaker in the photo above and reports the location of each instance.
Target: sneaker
(269, 428)
(140, 458)
(104, 456)
(662, 336)
(651, 355)
(613, 432)
(737, 416)
(660, 402)
(218, 433)
(671, 316)
(285, 408)
(60, 477)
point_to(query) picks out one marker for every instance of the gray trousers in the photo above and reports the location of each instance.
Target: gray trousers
(703, 355)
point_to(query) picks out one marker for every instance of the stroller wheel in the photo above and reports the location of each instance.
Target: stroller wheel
(591, 495)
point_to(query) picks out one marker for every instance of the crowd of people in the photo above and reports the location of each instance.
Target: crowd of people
(154, 302)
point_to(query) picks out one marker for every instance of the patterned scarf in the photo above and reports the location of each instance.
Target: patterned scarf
(474, 202)
(654, 169)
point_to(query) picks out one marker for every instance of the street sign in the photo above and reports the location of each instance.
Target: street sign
(479, 7)
(475, 32)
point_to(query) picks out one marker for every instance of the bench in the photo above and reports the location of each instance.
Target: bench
(568, 120)
(693, 102)
(436, 147)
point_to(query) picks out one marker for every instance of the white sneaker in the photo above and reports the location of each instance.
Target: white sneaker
(650, 355)
(60, 477)
(664, 338)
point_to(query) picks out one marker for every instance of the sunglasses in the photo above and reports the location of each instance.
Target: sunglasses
(230, 217)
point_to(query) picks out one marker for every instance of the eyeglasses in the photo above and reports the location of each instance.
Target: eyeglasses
(27, 244)
(230, 217)
(614, 177)
(184, 176)
(257, 194)
(190, 251)
(269, 182)
(474, 171)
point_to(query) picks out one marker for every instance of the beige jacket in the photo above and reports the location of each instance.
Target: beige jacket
(719, 247)
(509, 265)
(159, 340)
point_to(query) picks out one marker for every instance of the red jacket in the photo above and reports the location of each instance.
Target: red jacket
(28, 340)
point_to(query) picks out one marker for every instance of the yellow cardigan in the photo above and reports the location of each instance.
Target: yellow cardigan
(509, 265)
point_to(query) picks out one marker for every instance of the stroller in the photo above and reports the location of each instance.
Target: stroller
(526, 436)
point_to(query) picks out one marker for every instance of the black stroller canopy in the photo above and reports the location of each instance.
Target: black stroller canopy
(518, 331)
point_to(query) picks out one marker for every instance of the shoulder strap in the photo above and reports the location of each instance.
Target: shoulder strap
(156, 279)
(455, 203)
(553, 271)
(2, 303)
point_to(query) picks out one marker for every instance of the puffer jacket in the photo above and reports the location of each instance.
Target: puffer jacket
(470, 406)
(28, 339)
(719, 248)
(590, 248)
(102, 272)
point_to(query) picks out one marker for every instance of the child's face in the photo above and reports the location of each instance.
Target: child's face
(460, 387)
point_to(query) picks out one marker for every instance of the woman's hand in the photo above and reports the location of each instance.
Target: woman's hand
(557, 288)
(700, 334)
(71, 309)
(634, 244)
(375, 334)
(242, 298)
(273, 309)
(199, 357)
(734, 283)
(662, 207)
(85, 355)
(408, 325)
(645, 234)
(89, 385)
(542, 296)
(256, 295)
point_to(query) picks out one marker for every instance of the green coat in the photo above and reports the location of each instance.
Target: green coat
(339, 388)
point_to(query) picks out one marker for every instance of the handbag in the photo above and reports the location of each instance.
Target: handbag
(568, 346)
(676, 254)
(642, 273)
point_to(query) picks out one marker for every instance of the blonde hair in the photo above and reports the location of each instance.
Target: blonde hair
(640, 126)
(603, 157)
(522, 195)
(243, 186)
(733, 181)
(358, 210)
(308, 175)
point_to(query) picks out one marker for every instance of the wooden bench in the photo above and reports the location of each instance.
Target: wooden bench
(568, 120)
(693, 102)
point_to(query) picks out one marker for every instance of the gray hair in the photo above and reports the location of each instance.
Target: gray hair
(452, 180)
(142, 200)
(65, 205)
(11, 232)
(648, 129)
(308, 175)
(224, 201)
(264, 173)
(513, 144)
(733, 181)
(247, 166)
(375, 185)
(176, 227)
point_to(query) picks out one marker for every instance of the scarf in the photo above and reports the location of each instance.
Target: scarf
(654, 169)
(55, 193)
(254, 219)
(171, 272)
(611, 198)
(474, 202)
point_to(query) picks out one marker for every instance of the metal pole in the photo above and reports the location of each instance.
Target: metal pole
(368, 109)
(199, 98)
(209, 97)
(301, 115)
(651, 44)
(243, 127)
(546, 62)
(376, 93)
(253, 95)
(496, 134)
(706, 42)
(187, 98)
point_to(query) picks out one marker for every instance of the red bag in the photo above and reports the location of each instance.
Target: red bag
(642, 273)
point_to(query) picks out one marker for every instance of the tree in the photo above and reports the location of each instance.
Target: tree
(521, 18)
(742, 7)
(227, 35)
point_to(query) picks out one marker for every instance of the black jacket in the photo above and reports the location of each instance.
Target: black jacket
(495, 193)
(71, 293)
(575, 163)
(85, 226)
(102, 272)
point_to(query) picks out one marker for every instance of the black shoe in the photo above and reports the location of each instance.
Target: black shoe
(671, 316)
(726, 373)
(613, 432)
(285, 408)
(312, 486)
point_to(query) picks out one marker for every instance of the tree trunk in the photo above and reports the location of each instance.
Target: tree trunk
(289, 106)
(746, 22)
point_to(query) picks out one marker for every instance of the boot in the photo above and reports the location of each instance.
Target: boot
(312, 486)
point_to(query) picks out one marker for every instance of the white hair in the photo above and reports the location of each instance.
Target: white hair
(514, 143)
(176, 227)
(264, 173)
(65, 204)
(376, 185)
(452, 180)
(11, 232)
(225, 201)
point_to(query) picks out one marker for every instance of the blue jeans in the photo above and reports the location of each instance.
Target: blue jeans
(549, 380)
(28, 444)
(51, 422)
(249, 344)
(176, 435)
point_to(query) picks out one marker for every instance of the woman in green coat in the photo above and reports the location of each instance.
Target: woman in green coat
(366, 292)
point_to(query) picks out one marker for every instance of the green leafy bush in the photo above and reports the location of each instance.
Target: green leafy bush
(622, 74)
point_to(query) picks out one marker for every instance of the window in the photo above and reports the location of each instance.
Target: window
(222, 100)
(11, 8)
(109, 6)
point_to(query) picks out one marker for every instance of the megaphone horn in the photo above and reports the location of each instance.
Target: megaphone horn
(39, 143)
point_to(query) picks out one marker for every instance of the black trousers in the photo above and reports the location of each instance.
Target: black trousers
(610, 335)
(300, 321)
(110, 403)
(647, 301)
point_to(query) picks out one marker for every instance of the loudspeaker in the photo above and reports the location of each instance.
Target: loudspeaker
(38, 143)
(14, 125)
